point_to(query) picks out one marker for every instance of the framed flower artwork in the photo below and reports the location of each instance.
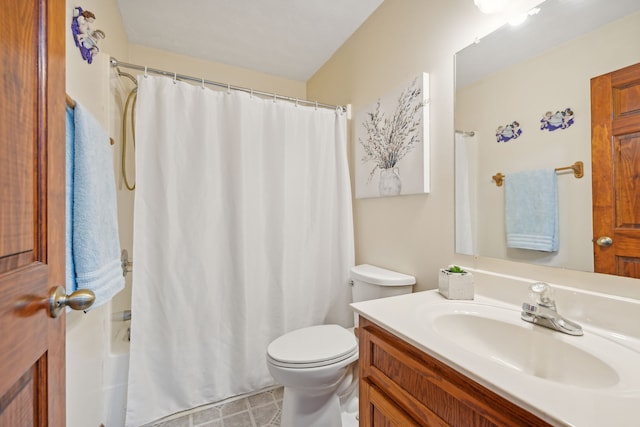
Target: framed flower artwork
(392, 143)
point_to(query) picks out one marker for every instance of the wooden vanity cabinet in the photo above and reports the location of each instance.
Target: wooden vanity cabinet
(401, 385)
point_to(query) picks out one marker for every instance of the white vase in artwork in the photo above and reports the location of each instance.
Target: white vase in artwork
(390, 183)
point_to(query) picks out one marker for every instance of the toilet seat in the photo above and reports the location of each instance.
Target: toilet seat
(313, 346)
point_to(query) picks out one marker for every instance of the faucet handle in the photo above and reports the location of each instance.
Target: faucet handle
(543, 295)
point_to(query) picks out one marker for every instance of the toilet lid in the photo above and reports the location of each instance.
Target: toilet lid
(313, 346)
(380, 276)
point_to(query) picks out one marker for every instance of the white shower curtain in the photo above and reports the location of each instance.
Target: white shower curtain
(466, 193)
(242, 231)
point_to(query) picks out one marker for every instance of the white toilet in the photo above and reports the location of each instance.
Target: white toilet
(317, 365)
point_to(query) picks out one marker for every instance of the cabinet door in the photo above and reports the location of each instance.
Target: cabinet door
(401, 383)
(380, 411)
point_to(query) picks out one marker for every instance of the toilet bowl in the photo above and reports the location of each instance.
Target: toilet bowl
(317, 365)
(312, 363)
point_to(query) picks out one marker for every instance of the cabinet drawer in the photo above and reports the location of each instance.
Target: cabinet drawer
(382, 412)
(427, 389)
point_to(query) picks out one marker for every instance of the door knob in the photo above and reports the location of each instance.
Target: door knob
(78, 300)
(604, 241)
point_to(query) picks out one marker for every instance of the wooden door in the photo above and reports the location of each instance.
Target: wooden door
(615, 154)
(32, 140)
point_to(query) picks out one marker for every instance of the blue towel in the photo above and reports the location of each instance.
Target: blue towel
(531, 210)
(96, 245)
(70, 272)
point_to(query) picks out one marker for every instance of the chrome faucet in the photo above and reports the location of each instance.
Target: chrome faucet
(544, 313)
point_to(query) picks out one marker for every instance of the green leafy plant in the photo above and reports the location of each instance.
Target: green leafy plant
(455, 269)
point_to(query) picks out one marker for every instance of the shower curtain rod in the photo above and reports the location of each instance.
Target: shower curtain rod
(116, 63)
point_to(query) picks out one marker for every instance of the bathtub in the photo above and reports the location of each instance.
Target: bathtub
(116, 373)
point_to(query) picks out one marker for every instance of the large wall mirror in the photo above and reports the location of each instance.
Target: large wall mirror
(519, 79)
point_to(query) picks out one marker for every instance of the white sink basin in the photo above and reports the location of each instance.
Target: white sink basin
(530, 349)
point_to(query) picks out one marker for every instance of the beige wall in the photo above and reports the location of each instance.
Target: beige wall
(411, 234)
(216, 71)
(415, 234)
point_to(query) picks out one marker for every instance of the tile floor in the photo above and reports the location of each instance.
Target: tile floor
(259, 410)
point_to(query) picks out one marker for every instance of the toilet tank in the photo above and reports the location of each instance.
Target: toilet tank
(371, 282)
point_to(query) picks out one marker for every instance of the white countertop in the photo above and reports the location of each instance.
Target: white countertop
(410, 317)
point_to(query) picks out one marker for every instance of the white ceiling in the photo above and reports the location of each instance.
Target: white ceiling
(288, 38)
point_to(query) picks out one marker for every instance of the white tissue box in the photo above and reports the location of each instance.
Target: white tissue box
(455, 285)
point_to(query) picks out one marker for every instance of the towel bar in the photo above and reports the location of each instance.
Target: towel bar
(72, 104)
(577, 168)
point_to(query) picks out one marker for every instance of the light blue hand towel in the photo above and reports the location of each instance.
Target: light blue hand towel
(96, 245)
(531, 210)
(70, 271)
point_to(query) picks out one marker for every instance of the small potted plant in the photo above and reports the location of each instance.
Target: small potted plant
(455, 283)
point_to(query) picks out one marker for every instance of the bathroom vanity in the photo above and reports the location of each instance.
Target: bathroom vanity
(402, 385)
(429, 361)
